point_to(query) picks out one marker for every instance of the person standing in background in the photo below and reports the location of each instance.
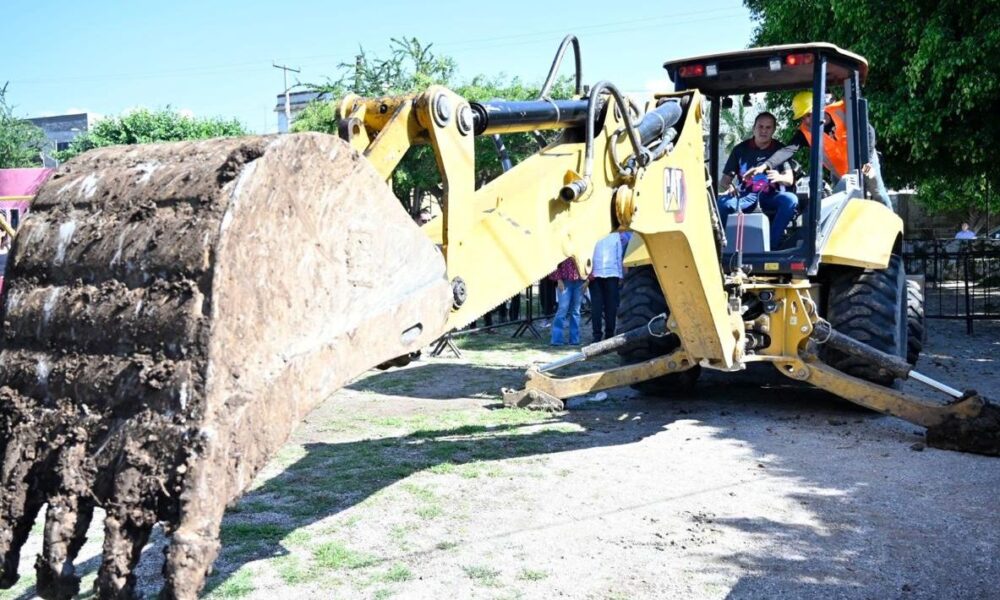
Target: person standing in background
(569, 294)
(604, 284)
(965, 233)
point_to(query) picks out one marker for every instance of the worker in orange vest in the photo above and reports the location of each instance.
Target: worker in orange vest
(834, 144)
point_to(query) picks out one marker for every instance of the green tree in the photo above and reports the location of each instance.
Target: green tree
(144, 126)
(411, 67)
(737, 123)
(21, 142)
(933, 85)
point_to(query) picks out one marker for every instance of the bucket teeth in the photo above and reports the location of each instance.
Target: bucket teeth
(172, 311)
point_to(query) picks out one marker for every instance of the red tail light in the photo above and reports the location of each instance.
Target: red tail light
(692, 71)
(798, 266)
(798, 59)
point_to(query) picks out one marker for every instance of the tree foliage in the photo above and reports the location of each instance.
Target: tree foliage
(21, 142)
(411, 67)
(144, 126)
(737, 124)
(933, 84)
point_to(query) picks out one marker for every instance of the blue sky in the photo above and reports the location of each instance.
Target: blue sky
(214, 58)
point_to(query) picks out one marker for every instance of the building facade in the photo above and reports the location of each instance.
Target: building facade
(297, 101)
(60, 130)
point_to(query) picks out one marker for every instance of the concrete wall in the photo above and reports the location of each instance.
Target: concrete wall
(60, 130)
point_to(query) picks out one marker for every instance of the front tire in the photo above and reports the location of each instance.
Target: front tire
(642, 300)
(870, 306)
(915, 326)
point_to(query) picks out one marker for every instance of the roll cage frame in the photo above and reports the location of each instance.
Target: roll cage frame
(818, 67)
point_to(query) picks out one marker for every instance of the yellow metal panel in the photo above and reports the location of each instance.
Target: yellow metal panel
(434, 229)
(567, 387)
(863, 236)
(674, 219)
(392, 142)
(882, 399)
(525, 231)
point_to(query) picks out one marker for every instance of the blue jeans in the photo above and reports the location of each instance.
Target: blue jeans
(781, 204)
(569, 307)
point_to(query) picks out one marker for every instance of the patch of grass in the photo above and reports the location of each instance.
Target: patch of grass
(312, 500)
(443, 469)
(532, 575)
(495, 343)
(351, 520)
(299, 537)
(291, 570)
(481, 575)
(391, 383)
(429, 511)
(288, 455)
(444, 451)
(420, 491)
(250, 506)
(252, 533)
(382, 594)
(399, 532)
(478, 468)
(238, 585)
(397, 573)
(334, 555)
(446, 545)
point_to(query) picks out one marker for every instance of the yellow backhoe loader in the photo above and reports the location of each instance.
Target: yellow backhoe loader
(173, 311)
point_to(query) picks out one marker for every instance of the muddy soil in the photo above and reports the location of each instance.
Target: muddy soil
(164, 331)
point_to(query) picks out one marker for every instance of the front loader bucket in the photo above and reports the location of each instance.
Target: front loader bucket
(171, 312)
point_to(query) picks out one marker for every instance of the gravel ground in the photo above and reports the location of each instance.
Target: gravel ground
(412, 484)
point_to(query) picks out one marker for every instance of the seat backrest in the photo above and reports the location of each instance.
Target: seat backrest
(756, 233)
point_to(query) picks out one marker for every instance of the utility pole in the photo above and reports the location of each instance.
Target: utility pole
(288, 105)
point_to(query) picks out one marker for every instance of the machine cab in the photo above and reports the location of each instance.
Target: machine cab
(819, 67)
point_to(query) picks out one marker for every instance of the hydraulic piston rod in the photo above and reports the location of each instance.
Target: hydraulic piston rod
(502, 116)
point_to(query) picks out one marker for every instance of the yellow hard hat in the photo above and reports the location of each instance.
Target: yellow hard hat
(802, 104)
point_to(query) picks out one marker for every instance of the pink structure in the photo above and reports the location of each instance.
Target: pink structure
(17, 188)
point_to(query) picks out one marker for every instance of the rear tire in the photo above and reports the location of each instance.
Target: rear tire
(642, 299)
(871, 307)
(914, 321)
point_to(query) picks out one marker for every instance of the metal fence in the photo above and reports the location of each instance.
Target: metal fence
(961, 278)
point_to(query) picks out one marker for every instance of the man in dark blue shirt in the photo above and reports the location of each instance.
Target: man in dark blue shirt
(766, 188)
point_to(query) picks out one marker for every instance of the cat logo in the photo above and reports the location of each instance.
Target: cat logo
(674, 193)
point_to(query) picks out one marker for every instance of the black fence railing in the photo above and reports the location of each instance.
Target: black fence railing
(961, 278)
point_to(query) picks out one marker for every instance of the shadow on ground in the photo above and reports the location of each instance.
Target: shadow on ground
(440, 381)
